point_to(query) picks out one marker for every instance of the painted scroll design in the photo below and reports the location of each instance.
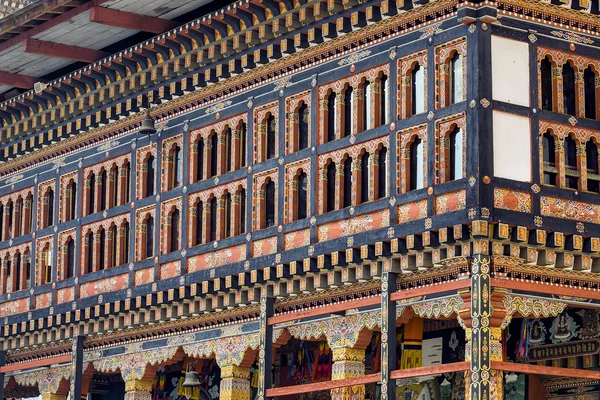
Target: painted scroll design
(530, 307)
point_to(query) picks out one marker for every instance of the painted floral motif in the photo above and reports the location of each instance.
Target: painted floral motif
(354, 225)
(354, 57)
(218, 106)
(436, 308)
(569, 209)
(296, 239)
(449, 202)
(217, 258)
(133, 364)
(106, 285)
(572, 37)
(14, 307)
(512, 200)
(412, 211)
(264, 247)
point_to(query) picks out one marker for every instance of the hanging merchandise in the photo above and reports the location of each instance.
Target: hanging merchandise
(413, 342)
(321, 368)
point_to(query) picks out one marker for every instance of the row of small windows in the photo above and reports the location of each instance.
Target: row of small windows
(106, 189)
(571, 78)
(570, 154)
(16, 217)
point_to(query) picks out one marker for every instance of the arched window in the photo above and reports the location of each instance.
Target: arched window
(347, 182)
(270, 204)
(589, 84)
(456, 79)
(456, 154)
(416, 164)
(243, 144)
(271, 132)
(228, 149)
(177, 166)
(149, 237)
(364, 178)
(228, 215)
(384, 91)
(331, 186)
(546, 77)
(151, 168)
(70, 271)
(303, 133)
(213, 154)
(591, 156)
(102, 259)
(243, 210)
(213, 219)
(348, 96)
(382, 186)
(571, 164)
(127, 189)
(418, 90)
(569, 88)
(331, 116)
(113, 253)
(366, 106)
(125, 252)
(50, 207)
(92, 208)
(104, 188)
(302, 203)
(200, 159)
(72, 190)
(199, 221)
(90, 253)
(549, 159)
(175, 234)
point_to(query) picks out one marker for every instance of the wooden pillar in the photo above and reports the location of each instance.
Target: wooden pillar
(483, 334)
(323, 189)
(85, 241)
(193, 160)
(356, 180)
(27, 214)
(98, 193)
(235, 383)
(582, 163)
(445, 98)
(77, 367)
(142, 168)
(192, 224)
(108, 250)
(261, 214)
(236, 148)
(358, 125)
(339, 115)
(388, 335)
(207, 157)
(96, 252)
(3, 276)
(294, 121)
(262, 141)
(206, 220)
(579, 94)
(348, 363)
(265, 353)
(221, 149)
(122, 188)
(16, 225)
(557, 93)
(138, 389)
(22, 284)
(323, 119)
(406, 83)
(597, 89)
(236, 210)
(339, 186)
(87, 191)
(166, 234)
(376, 105)
(121, 256)
(374, 174)
(110, 189)
(293, 200)
(559, 146)
(220, 219)
(168, 176)
(6, 221)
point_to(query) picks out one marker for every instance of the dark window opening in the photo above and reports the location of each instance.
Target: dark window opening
(589, 84)
(149, 237)
(347, 182)
(549, 159)
(213, 219)
(331, 187)
(269, 204)
(175, 230)
(569, 89)
(151, 168)
(546, 76)
(364, 178)
(591, 152)
(382, 184)
(302, 195)
(416, 164)
(271, 132)
(571, 170)
(213, 154)
(303, 117)
(348, 111)
(331, 117)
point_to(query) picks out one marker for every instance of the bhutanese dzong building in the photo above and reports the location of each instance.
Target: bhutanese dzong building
(300, 199)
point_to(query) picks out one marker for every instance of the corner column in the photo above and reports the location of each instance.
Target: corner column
(348, 362)
(235, 383)
(137, 389)
(388, 335)
(483, 334)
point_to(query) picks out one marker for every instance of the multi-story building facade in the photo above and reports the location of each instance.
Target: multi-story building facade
(328, 199)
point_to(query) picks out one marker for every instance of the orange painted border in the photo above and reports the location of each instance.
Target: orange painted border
(43, 362)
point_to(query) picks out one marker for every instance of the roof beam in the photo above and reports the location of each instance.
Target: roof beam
(17, 81)
(65, 51)
(127, 20)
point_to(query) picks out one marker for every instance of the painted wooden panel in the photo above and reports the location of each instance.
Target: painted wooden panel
(412, 211)
(105, 285)
(506, 199)
(14, 307)
(264, 247)
(217, 258)
(354, 225)
(296, 239)
(569, 209)
(143, 276)
(450, 202)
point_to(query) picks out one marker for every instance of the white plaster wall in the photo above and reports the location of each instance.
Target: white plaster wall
(512, 146)
(510, 71)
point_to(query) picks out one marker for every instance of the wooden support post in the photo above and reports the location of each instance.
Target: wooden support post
(265, 353)
(388, 335)
(77, 367)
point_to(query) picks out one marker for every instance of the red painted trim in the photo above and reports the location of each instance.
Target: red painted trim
(321, 386)
(431, 289)
(127, 20)
(17, 81)
(44, 362)
(542, 370)
(331, 309)
(426, 371)
(544, 288)
(65, 51)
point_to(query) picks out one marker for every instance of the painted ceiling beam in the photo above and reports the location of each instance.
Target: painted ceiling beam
(127, 20)
(17, 80)
(59, 50)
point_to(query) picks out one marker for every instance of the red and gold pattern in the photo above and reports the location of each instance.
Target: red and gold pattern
(450, 202)
(512, 200)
